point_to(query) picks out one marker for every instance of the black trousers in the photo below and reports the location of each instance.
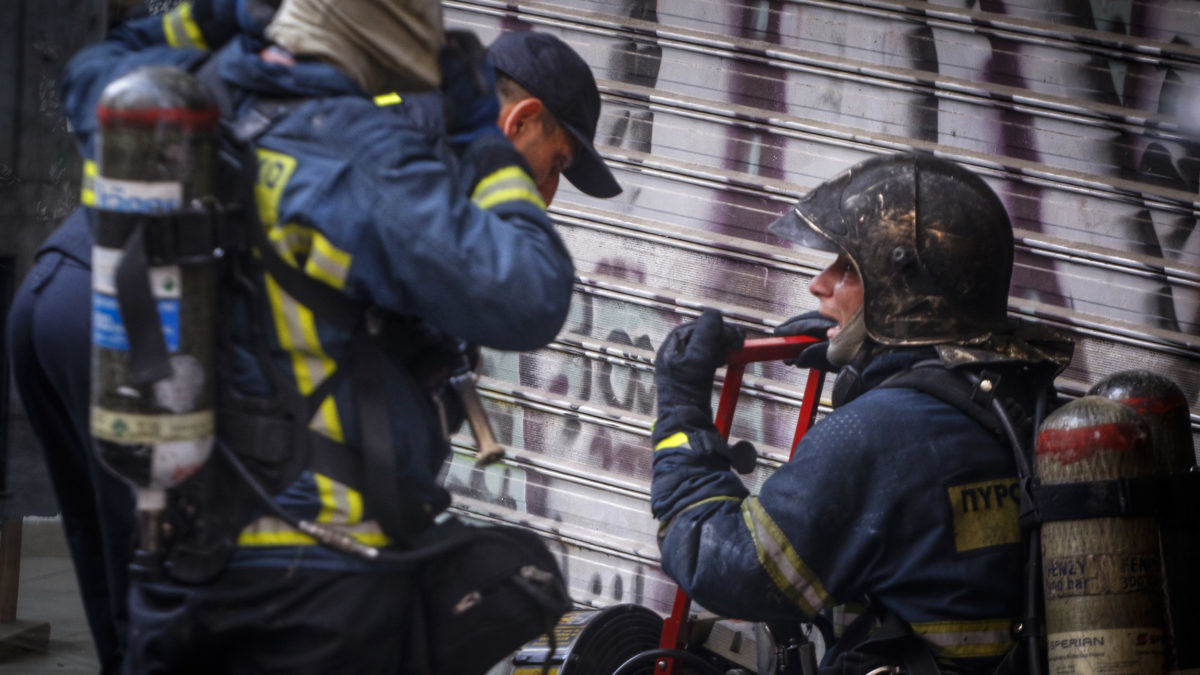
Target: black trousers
(271, 620)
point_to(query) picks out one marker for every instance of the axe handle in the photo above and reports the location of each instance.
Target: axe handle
(487, 449)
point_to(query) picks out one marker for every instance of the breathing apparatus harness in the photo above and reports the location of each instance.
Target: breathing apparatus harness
(881, 634)
(483, 590)
(1173, 498)
(263, 442)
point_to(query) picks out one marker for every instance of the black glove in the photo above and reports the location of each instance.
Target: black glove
(811, 324)
(684, 369)
(468, 88)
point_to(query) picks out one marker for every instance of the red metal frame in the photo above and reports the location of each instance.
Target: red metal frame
(752, 351)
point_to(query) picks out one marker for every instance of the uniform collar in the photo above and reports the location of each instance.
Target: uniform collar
(855, 379)
(892, 361)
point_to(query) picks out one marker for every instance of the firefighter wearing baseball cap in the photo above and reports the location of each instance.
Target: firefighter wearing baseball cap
(549, 109)
(362, 199)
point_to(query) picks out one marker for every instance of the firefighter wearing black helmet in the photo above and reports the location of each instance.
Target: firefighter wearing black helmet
(900, 507)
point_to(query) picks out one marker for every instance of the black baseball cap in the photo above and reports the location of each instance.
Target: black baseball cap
(550, 70)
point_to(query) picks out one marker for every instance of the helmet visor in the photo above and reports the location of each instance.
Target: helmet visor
(816, 219)
(796, 228)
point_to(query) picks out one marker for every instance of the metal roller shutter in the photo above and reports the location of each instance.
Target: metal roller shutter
(716, 115)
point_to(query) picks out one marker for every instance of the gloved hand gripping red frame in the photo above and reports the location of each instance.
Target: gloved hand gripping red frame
(752, 351)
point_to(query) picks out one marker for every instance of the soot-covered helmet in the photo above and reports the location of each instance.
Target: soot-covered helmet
(931, 241)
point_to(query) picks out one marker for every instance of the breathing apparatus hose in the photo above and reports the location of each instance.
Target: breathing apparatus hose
(332, 538)
(347, 544)
(323, 535)
(1032, 550)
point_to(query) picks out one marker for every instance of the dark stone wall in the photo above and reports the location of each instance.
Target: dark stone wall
(39, 166)
(39, 185)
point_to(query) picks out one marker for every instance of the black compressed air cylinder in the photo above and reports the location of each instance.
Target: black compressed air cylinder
(1164, 407)
(155, 154)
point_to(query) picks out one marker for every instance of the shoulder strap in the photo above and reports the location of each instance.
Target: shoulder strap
(975, 395)
(238, 155)
(933, 378)
(324, 300)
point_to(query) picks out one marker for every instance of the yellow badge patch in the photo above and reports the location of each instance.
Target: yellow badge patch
(274, 171)
(985, 513)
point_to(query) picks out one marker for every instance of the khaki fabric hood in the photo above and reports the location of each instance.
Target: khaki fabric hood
(385, 45)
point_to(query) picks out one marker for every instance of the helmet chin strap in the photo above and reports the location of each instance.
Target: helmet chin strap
(849, 341)
(849, 350)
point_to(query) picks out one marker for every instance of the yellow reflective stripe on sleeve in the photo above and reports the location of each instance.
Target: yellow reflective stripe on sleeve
(326, 420)
(780, 560)
(87, 186)
(967, 639)
(508, 184)
(662, 527)
(390, 98)
(270, 531)
(181, 28)
(286, 313)
(708, 500)
(673, 441)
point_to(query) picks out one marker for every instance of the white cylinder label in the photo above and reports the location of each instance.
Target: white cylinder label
(1110, 651)
(137, 196)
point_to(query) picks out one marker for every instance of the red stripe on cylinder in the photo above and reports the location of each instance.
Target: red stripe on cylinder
(187, 118)
(1154, 405)
(1071, 445)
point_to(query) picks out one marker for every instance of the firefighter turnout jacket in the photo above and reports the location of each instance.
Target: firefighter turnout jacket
(896, 501)
(362, 195)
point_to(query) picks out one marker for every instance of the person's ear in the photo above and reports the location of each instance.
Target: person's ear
(520, 116)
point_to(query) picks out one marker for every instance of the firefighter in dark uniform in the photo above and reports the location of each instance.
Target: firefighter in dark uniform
(441, 231)
(899, 508)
